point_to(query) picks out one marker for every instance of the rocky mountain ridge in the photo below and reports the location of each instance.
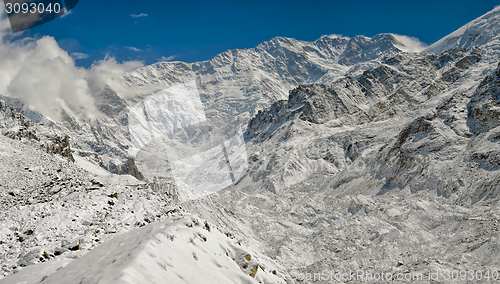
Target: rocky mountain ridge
(358, 156)
(232, 87)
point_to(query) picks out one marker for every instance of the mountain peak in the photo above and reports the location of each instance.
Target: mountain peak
(483, 31)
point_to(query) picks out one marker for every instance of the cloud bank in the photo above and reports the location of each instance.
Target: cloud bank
(44, 76)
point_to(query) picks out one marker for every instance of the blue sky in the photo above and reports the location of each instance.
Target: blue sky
(192, 31)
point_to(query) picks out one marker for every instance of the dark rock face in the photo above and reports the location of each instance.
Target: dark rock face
(400, 82)
(416, 153)
(362, 48)
(484, 106)
(61, 147)
(110, 104)
(128, 168)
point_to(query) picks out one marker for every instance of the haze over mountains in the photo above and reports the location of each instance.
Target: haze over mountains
(339, 154)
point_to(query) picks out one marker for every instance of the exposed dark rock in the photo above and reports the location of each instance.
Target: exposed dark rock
(128, 168)
(484, 106)
(60, 146)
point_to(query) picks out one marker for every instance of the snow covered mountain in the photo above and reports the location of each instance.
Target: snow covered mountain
(232, 87)
(328, 164)
(483, 31)
(341, 154)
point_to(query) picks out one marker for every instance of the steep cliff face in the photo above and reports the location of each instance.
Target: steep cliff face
(383, 98)
(484, 107)
(128, 168)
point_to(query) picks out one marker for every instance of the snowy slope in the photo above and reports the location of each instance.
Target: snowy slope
(483, 31)
(183, 249)
(57, 210)
(131, 135)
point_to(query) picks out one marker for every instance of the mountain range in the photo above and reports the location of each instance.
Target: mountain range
(260, 165)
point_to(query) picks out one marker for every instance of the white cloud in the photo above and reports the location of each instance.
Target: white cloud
(4, 23)
(109, 72)
(133, 48)
(44, 76)
(138, 15)
(334, 36)
(409, 44)
(167, 59)
(79, 55)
